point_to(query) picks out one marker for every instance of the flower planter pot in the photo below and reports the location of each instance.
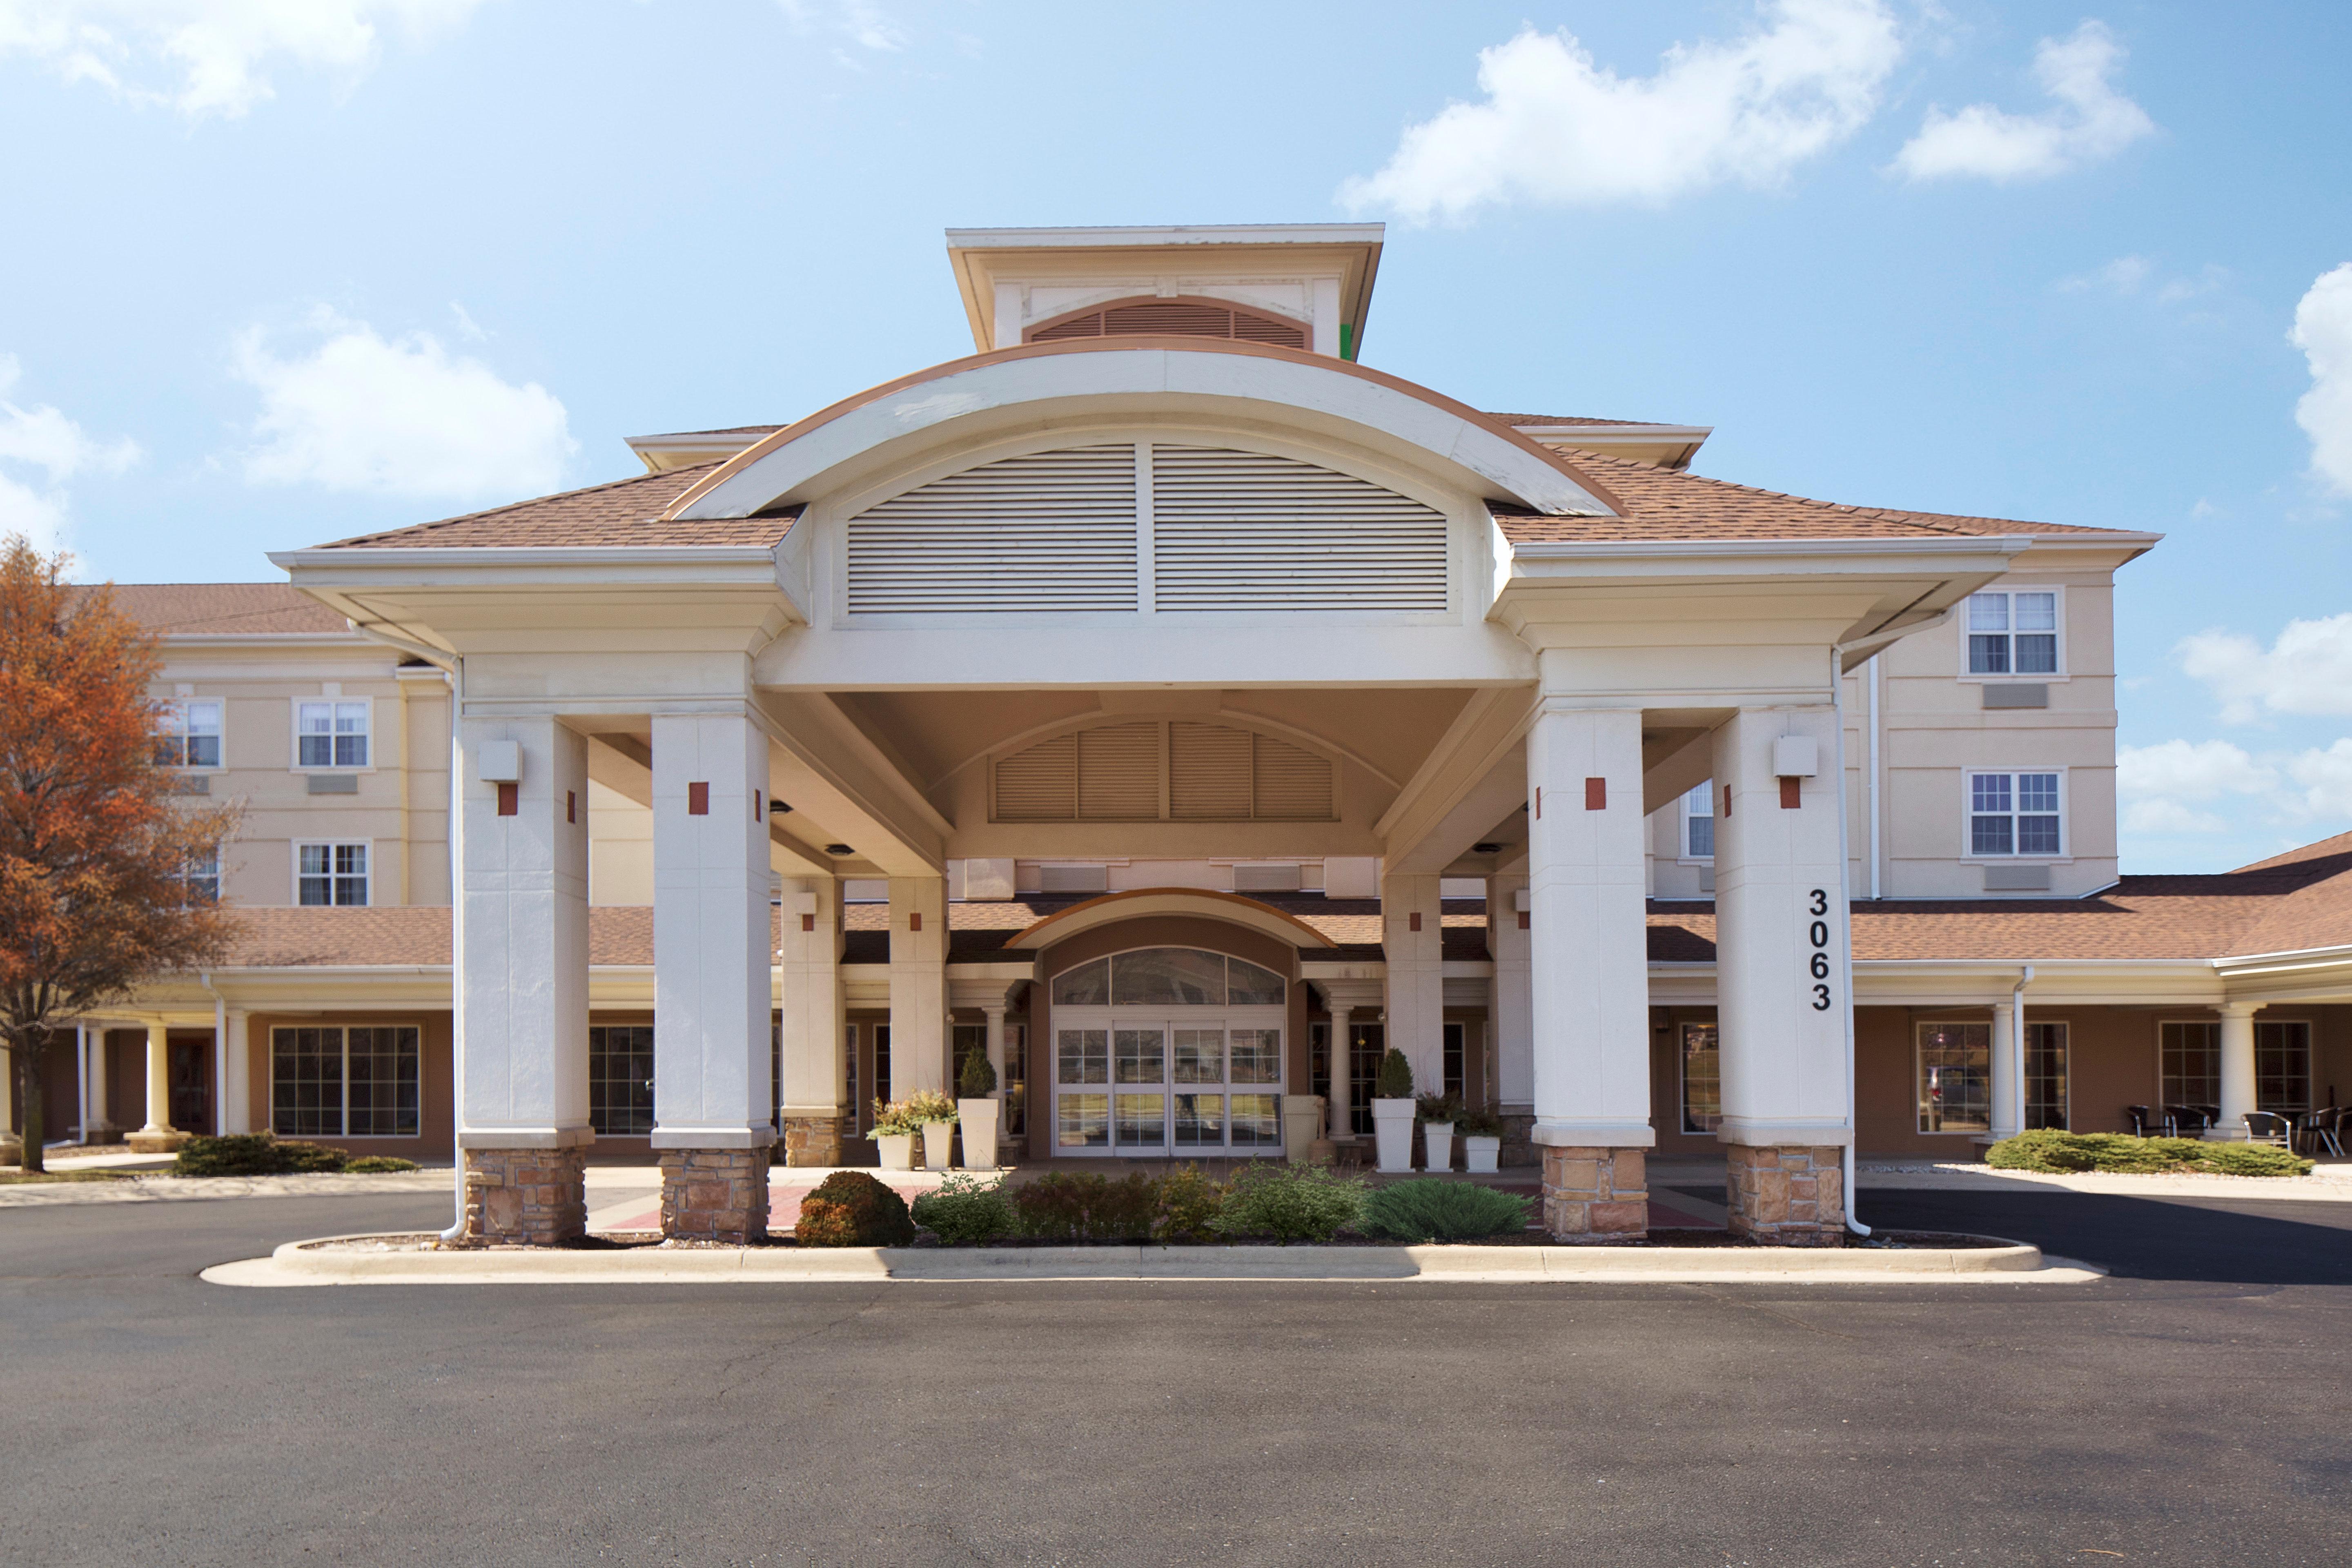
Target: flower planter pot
(1437, 1138)
(939, 1144)
(1482, 1156)
(898, 1150)
(1392, 1127)
(1302, 1122)
(978, 1120)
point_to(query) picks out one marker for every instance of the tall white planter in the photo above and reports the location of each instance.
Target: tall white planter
(898, 1150)
(1482, 1156)
(939, 1145)
(1438, 1139)
(978, 1120)
(1393, 1128)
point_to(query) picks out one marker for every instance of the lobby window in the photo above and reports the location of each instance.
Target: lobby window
(2045, 1075)
(1698, 823)
(1013, 1090)
(344, 1083)
(188, 735)
(1955, 1078)
(2013, 813)
(1702, 1056)
(2283, 1065)
(330, 874)
(331, 734)
(2013, 633)
(1455, 1053)
(2191, 1061)
(620, 1080)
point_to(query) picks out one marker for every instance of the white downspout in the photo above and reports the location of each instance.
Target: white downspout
(1845, 870)
(1877, 845)
(457, 945)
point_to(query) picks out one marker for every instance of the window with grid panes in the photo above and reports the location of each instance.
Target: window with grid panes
(331, 875)
(331, 734)
(361, 1082)
(2283, 1065)
(2045, 1075)
(2013, 633)
(1955, 1078)
(2013, 813)
(1698, 823)
(620, 1080)
(2190, 1055)
(188, 735)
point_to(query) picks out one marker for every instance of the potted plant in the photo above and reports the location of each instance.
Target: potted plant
(1392, 1112)
(935, 1112)
(1482, 1141)
(1438, 1114)
(893, 1135)
(976, 1112)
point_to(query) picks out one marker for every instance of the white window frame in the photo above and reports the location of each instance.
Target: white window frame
(2012, 678)
(197, 871)
(343, 1032)
(2066, 1048)
(1969, 855)
(1919, 1027)
(294, 711)
(178, 706)
(1682, 815)
(367, 845)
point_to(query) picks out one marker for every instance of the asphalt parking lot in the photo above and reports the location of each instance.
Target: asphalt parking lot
(2191, 1409)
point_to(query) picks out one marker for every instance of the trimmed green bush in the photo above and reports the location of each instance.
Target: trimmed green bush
(977, 1079)
(965, 1211)
(1189, 1206)
(1431, 1210)
(2120, 1153)
(1290, 1203)
(256, 1154)
(378, 1165)
(2253, 1160)
(1067, 1205)
(852, 1209)
(1394, 1080)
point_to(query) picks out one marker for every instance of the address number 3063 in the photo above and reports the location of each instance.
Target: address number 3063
(1817, 935)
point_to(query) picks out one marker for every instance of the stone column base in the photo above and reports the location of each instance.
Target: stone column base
(1595, 1194)
(1519, 1140)
(526, 1197)
(1791, 1194)
(166, 1142)
(815, 1139)
(715, 1195)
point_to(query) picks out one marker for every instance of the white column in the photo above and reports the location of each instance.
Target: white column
(93, 1103)
(1411, 943)
(1589, 942)
(522, 952)
(159, 1079)
(918, 984)
(711, 933)
(2007, 1071)
(2237, 1065)
(1509, 931)
(8, 1094)
(994, 1014)
(816, 1073)
(237, 1075)
(1783, 966)
(1335, 1113)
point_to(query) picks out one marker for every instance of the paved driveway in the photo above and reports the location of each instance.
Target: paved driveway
(2191, 1410)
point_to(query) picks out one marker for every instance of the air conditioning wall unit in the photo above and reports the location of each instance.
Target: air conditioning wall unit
(1265, 878)
(1074, 879)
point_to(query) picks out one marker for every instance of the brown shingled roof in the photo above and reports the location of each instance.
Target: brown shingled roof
(1665, 504)
(1542, 421)
(226, 609)
(625, 513)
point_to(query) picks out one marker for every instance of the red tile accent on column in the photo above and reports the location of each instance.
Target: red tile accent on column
(808, 922)
(1596, 795)
(510, 799)
(1727, 800)
(1788, 801)
(1412, 920)
(915, 920)
(698, 800)
(571, 806)
(756, 813)
(1523, 920)
(1538, 801)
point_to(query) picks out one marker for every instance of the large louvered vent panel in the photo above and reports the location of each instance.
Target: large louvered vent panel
(1047, 530)
(1119, 773)
(1249, 531)
(1175, 318)
(1040, 785)
(1212, 773)
(1289, 784)
(1208, 772)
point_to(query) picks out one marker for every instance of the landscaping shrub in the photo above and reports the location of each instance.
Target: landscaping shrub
(929, 1105)
(965, 1211)
(1290, 1203)
(1068, 1206)
(1433, 1210)
(852, 1209)
(1394, 1080)
(2120, 1153)
(378, 1165)
(977, 1079)
(1189, 1205)
(256, 1154)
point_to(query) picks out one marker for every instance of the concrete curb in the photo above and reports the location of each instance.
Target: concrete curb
(305, 1263)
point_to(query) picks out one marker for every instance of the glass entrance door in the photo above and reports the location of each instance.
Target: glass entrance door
(1146, 1087)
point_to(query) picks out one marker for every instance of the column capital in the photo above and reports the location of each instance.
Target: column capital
(2234, 1009)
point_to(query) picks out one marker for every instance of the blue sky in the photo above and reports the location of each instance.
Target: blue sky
(284, 271)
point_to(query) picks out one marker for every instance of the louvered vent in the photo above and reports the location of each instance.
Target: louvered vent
(1290, 784)
(1265, 878)
(1073, 879)
(1047, 530)
(1040, 785)
(1249, 531)
(1119, 773)
(1208, 772)
(1213, 772)
(1175, 318)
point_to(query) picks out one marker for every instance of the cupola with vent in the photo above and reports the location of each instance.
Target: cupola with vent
(1300, 286)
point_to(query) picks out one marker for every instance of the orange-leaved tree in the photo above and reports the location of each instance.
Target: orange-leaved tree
(95, 852)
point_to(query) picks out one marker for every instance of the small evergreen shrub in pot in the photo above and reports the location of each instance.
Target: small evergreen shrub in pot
(1393, 1107)
(1441, 1211)
(1290, 1203)
(965, 1211)
(976, 1112)
(851, 1208)
(1482, 1141)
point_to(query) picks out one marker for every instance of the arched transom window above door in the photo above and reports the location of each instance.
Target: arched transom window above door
(1148, 527)
(1163, 770)
(1172, 317)
(1169, 977)
(1166, 1047)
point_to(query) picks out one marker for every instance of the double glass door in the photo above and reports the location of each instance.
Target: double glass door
(1135, 1084)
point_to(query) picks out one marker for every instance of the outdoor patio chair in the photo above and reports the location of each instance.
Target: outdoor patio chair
(2324, 1130)
(2268, 1127)
(2185, 1121)
(2142, 1123)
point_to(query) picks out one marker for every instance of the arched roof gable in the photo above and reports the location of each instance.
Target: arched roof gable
(1136, 902)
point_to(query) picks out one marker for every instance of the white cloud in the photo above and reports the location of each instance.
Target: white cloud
(2322, 330)
(211, 56)
(863, 23)
(2131, 276)
(46, 439)
(1557, 127)
(2214, 786)
(2326, 779)
(401, 416)
(2307, 670)
(2092, 120)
